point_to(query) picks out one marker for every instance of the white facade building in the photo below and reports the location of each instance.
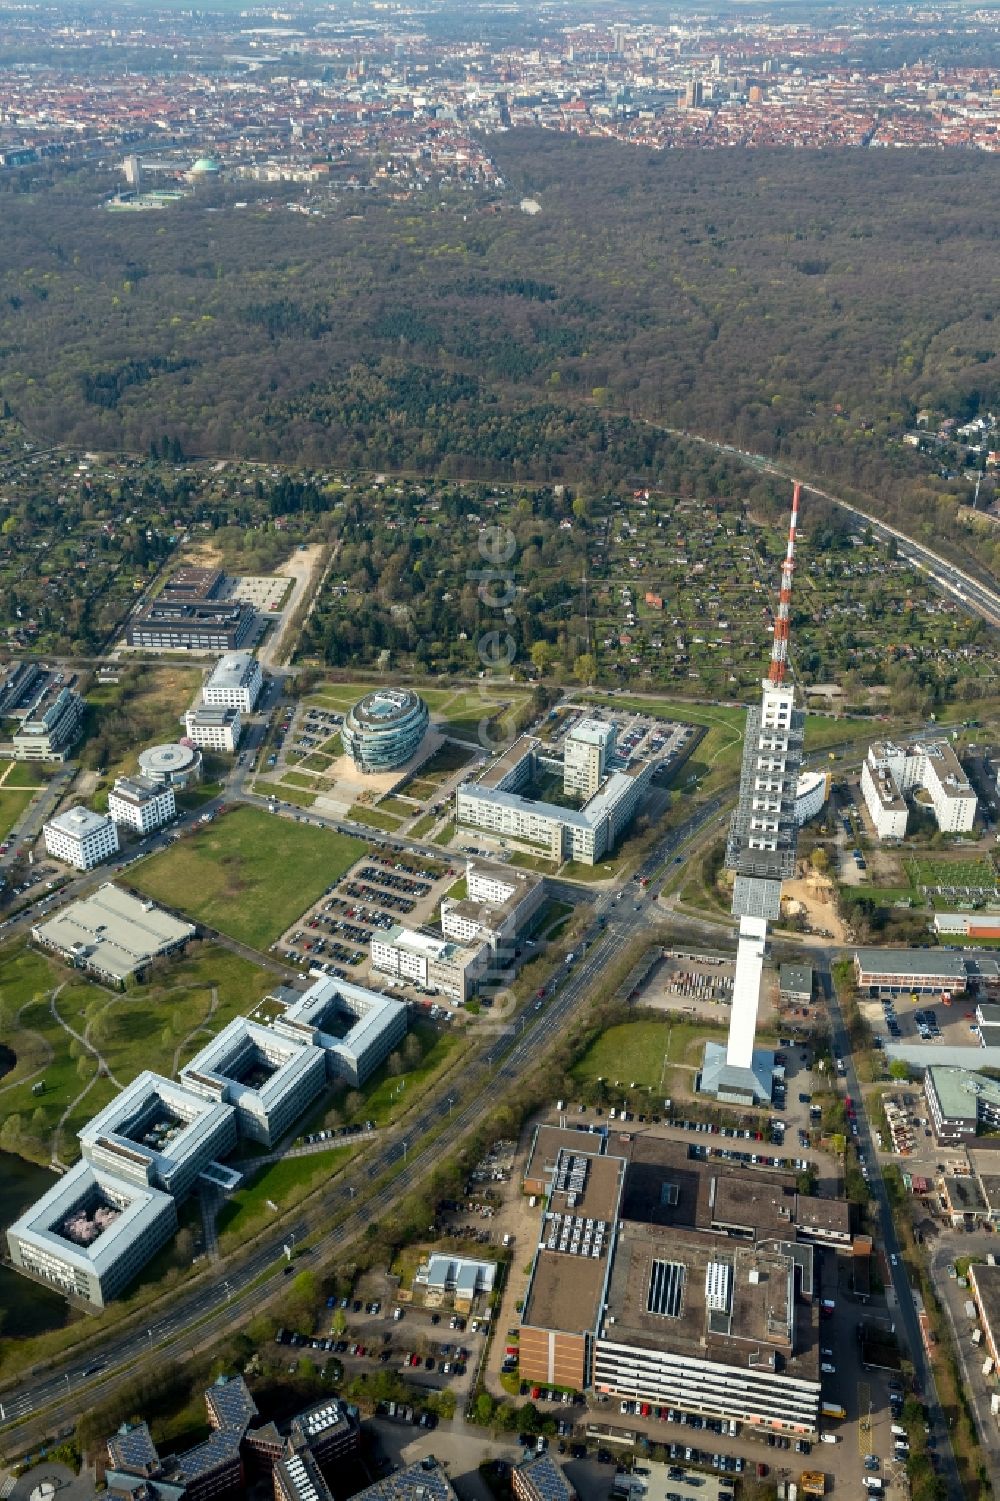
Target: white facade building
(891, 771)
(811, 792)
(495, 802)
(235, 682)
(586, 751)
(355, 1028)
(81, 837)
(91, 1233)
(214, 729)
(500, 903)
(141, 804)
(428, 962)
(268, 1079)
(160, 1134)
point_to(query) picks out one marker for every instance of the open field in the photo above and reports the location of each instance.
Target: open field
(12, 806)
(637, 1053)
(248, 873)
(283, 1183)
(157, 1025)
(143, 708)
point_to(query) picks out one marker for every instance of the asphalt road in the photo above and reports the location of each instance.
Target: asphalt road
(235, 1293)
(904, 1313)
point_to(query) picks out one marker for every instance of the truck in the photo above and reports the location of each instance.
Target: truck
(832, 1410)
(970, 1309)
(988, 1367)
(813, 1483)
(897, 1430)
(977, 1336)
(570, 958)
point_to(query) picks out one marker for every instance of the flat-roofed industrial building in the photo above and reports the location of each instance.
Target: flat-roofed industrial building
(923, 971)
(112, 934)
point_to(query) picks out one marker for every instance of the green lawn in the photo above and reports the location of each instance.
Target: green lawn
(423, 825)
(638, 1052)
(140, 1028)
(297, 796)
(12, 806)
(374, 818)
(386, 1096)
(249, 874)
(283, 1183)
(23, 774)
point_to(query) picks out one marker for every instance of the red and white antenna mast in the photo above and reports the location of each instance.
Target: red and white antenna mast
(779, 649)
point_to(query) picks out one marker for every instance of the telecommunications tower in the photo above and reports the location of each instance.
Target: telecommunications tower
(760, 852)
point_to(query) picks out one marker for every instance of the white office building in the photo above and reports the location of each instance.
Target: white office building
(496, 803)
(355, 1028)
(214, 729)
(141, 804)
(811, 793)
(500, 904)
(586, 751)
(112, 933)
(892, 771)
(430, 963)
(269, 1079)
(159, 1134)
(235, 682)
(81, 837)
(91, 1233)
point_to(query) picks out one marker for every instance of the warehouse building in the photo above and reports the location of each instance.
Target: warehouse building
(141, 804)
(891, 771)
(356, 1028)
(385, 728)
(112, 934)
(495, 802)
(497, 910)
(160, 1134)
(666, 1279)
(430, 963)
(914, 971)
(214, 729)
(269, 1079)
(960, 1101)
(90, 1234)
(81, 837)
(235, 682)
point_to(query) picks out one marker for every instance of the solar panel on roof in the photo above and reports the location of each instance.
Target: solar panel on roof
(666, 1286)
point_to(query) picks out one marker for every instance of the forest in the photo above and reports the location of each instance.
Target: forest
(799, 304)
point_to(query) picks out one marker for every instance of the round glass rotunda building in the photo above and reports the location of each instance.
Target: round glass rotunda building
(384, 728)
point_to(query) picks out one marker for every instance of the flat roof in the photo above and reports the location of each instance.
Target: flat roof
(959, 1090)
(138, 789)
(565, 1292)
(233, 670)
(197, 1118)
(113, 931)
(139, 1206)
(709, 1296)
(208, 714)
(985, 1280)
(548, 1141)
(413, 941)
(591, 732)
(289, 1061)
(373, 1013)
(929, 963)
(797, 979)
(78, 822)
(964, 1193)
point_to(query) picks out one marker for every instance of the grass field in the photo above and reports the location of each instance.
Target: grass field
(283, 1183)
(172, 1015)
(374, 818)
(385, 1096)
(424, 825)
(639, 1053)
(248, 873)
(143, 708)
(12, 806)
(21, 774)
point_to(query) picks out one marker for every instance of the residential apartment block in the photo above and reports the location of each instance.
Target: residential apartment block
(586, 751)
(891, 771)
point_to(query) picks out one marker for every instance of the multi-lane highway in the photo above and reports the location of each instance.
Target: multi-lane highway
(403, 1158)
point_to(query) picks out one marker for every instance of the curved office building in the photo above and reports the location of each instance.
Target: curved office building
(384, 728)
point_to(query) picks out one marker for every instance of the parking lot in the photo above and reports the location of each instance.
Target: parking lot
(638, 736)
(379, 890)
(902, 1018)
